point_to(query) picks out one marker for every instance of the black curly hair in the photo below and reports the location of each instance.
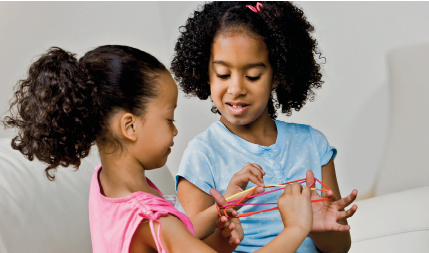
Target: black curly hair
(64, 105)
(282, 26)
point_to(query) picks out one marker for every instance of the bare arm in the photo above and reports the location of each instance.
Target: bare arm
(202, 211)
(204, 217)
(332, 241)
(199, 207)
(175, 238)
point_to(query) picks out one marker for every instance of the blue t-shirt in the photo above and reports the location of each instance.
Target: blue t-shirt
(212, 158)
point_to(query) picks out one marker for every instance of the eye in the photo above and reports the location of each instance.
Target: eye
(171, 121)
(253, 78)
(222, 76)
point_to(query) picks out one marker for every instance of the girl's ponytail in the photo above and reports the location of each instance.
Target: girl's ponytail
(55, 111)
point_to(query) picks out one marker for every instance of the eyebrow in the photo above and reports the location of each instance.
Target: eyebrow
(248, 66)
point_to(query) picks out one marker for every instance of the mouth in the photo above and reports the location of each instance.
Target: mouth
(237, 108)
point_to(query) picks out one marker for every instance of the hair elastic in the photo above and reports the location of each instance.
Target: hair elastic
(255, 10)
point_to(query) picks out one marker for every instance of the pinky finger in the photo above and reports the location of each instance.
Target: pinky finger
(342, 228)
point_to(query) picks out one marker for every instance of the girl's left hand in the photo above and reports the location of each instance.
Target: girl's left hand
(231, 230)
(327, 215)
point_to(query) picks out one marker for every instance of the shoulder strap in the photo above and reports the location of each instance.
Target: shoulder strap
(154, 216)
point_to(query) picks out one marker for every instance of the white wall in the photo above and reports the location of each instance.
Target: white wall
(351, 109)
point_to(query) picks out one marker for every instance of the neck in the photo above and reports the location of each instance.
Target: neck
(262, 131)
(122, 175)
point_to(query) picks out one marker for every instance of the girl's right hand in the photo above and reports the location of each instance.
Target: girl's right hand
(295, 207)
(250, 172)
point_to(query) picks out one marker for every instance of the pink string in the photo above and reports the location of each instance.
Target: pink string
(249, 197)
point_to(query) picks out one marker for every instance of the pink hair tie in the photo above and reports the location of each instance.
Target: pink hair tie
(255, 10)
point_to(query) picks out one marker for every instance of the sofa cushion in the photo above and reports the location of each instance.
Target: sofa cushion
(38, 215)
(396, 222)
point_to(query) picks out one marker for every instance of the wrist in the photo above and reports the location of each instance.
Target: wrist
(297, 229)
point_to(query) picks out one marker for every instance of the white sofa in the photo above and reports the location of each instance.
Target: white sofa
(40, 216)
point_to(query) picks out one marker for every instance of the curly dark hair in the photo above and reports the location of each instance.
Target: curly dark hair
(282, 26)
(64, 105)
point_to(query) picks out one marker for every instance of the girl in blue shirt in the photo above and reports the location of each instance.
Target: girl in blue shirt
(251, 59)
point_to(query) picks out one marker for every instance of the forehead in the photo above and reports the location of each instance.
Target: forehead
(167, 90)
(239, 47)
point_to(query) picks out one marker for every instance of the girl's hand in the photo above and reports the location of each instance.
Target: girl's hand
(238, 183)
(295, 207)
(230, 229)
(327, 215)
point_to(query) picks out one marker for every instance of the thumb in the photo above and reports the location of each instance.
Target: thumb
(221, 201)
(309, 178)
(218, 197)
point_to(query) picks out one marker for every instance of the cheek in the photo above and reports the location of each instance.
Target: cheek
(217, 91)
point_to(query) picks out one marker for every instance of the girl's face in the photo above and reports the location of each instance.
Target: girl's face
(240, 77)
(157, 130)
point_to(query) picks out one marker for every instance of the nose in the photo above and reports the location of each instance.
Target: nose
(236, 88)
(175, 131)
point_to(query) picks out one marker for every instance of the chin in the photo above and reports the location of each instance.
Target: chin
(238, 121)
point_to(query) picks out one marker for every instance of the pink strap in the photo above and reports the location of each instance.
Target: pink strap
(156, 236)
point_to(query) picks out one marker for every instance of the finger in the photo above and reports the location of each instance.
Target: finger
(340, 227)
(231, 212)
(234, 238)
(243, 177)
(226, 232)
(329, 194)
(257, 166)
(218, 197)
(296, 188)
(347, 214)
(253, 168)
(309, 176)
(288, 189)
(344, 202)
(306, 192)
(222, 222)
(257, 171)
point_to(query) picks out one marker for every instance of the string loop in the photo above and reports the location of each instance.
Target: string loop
(247, 196)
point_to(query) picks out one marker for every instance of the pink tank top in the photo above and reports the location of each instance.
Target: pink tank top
(114, 221)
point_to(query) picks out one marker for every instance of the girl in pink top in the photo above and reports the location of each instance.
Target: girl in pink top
(123, 100)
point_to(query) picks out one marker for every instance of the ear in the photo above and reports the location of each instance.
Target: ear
(275, 83)
(128, 128)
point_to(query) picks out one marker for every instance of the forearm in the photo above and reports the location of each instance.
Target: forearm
(217, 242)
(205, 222)
(287, 241)
(332, 241)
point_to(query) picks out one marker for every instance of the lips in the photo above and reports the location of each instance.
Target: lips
(237, 108)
